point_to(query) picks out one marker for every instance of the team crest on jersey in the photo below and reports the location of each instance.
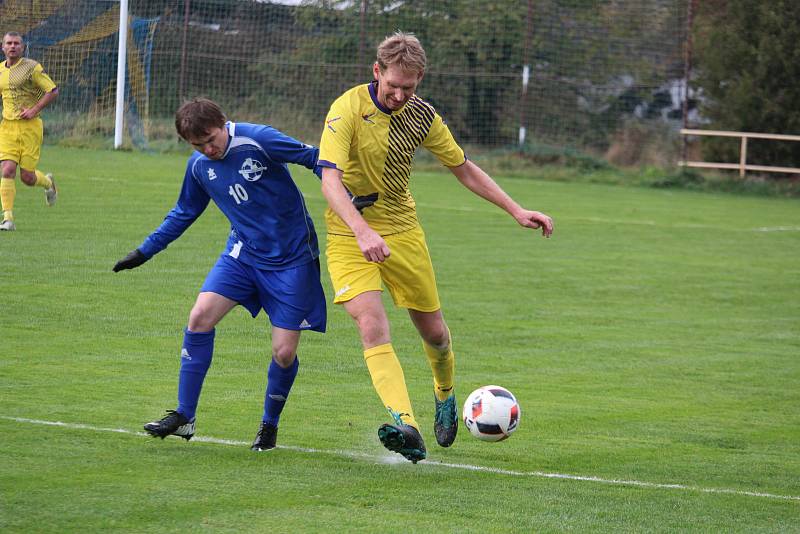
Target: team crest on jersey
(211, 174)
(252, 169)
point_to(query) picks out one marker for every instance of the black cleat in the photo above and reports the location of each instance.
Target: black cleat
(173, 424)
(445, 425)
(403, 439)
(266, 438)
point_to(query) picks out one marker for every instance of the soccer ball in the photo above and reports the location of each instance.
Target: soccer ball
(491, 413)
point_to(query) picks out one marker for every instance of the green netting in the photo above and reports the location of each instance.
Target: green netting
(599, 69)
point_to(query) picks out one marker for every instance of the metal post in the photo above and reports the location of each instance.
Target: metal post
(362, 33)
(182, 74)
(687, 73)
(526, 71)
(121, 68)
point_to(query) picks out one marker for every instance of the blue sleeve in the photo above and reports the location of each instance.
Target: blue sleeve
(280, 147)
(191, 203)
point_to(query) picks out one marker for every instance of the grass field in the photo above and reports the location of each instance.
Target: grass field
(653, 343)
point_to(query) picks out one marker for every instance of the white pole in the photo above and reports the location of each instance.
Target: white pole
(121, 67)
(526, 75)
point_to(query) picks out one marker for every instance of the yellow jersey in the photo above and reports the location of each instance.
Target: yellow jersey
(374, 148)
(22, 86)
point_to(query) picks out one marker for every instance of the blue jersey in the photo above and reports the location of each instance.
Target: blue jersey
(270, 225)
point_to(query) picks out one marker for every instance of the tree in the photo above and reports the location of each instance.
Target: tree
(748, 62)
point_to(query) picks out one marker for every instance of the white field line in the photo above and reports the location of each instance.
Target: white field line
(465, 467)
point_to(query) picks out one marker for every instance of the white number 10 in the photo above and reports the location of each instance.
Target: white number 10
(238, 193)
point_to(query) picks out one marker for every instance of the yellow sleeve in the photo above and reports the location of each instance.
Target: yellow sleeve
(442, 144)
(42, 80)
(337, 135)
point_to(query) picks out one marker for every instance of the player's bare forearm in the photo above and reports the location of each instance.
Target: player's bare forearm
(480, 183)
(476, 180)
(371, 244)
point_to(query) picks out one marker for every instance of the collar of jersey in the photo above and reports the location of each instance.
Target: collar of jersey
(373, 94)
(231, 126)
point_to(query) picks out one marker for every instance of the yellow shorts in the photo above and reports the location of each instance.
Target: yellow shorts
(407, 272)
(21, 141)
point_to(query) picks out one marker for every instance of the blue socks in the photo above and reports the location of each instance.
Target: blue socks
(279, 383)
(196, 353)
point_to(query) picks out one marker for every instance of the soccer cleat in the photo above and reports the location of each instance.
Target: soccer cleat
(7, 226)
(266, 438)
(173, 424)
(51, 194)
(445, 425)
(403, 439)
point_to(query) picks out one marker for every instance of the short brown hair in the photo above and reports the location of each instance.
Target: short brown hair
(14, 34)
(197, 117)
(404, 50)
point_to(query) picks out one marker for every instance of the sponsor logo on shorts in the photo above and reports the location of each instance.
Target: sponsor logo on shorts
(305, 324)
(342, 291)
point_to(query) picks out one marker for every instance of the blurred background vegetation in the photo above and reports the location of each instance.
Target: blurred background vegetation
(610, 82)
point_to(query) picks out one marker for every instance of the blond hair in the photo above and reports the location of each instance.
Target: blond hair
(404, 50)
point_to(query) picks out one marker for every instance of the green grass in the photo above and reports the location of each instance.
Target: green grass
(653, 339)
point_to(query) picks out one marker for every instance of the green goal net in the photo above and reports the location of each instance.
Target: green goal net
(583, 75)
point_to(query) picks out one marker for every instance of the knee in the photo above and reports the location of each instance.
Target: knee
(374, 330)
(28, 178)
(200, 319)
(284, 355)
(437, 337)
(9, 169)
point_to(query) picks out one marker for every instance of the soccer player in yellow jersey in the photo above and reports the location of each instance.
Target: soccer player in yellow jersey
(374, 237)
(26, 90)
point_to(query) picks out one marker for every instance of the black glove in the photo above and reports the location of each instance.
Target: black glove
(134, 259)
(364, 201)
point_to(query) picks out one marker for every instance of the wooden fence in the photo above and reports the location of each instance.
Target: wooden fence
(742, 166)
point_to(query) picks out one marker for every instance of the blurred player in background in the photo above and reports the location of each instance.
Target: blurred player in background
(374, 237)
(271, 259)
(26, 90)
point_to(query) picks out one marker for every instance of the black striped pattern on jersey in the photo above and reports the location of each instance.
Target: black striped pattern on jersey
(21, 85)
(407, 130)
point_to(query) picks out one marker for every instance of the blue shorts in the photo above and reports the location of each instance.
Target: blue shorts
(293, 298)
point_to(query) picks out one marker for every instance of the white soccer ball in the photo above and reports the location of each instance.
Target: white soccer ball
(491, 413)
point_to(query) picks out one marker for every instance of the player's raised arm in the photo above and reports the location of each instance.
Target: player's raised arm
(480, 183)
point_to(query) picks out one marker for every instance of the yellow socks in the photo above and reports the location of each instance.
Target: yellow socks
(389, 381)
(42, 180)
(8, 190)
(443, 365)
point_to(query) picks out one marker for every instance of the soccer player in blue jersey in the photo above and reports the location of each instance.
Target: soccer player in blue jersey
(374, 237)
(271, 259)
